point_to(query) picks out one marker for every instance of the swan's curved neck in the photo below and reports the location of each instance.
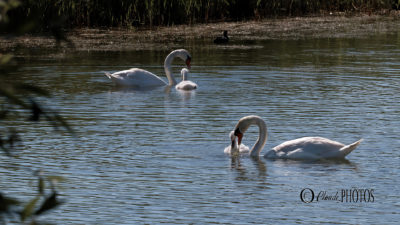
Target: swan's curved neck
(245, 123)
(167, 68)
(262, 138)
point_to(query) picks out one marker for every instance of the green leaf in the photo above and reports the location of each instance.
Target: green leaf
(28, 209)
(41, 185)
(4, 59)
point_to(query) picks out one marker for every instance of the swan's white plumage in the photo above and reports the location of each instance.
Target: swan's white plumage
(142, 79)
(136, 77)
(301, 148)
(311, 148)
(185, 84)
(242, 150)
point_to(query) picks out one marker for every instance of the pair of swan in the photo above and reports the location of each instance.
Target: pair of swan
(140, 78)
(301, 148)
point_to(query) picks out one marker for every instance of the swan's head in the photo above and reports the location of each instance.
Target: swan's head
(184, 73)
(234, 145)
(185, 56)
(243, 124)
(239, 134)
(188, 60)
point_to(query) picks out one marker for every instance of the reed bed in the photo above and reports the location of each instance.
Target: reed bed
(148, 13)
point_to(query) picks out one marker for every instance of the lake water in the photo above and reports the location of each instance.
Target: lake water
(156, 156)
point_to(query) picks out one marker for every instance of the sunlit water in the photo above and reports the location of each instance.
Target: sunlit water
(157, 156)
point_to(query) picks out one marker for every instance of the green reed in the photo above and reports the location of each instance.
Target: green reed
(97, 13)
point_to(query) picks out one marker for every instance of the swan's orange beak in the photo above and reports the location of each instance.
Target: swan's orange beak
(240, 136)
(188, 62)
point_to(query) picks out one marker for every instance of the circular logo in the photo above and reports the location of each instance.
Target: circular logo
(307, 195)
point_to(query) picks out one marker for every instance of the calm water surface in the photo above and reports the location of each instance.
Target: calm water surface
(157, 156)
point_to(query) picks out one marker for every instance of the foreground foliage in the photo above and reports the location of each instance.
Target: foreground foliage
(19, 104)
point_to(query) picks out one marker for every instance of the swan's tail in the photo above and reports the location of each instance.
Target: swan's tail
(349, 148)
(108, 74)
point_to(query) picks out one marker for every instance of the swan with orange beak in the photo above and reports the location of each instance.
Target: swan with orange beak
(300, 148)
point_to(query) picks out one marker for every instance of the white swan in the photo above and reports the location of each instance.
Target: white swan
(301, 148)
(234, 149)
(141, 78)
(185, 84)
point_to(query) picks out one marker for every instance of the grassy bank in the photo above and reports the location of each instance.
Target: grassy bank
(138, 13)
(242, 34)
(103, 25)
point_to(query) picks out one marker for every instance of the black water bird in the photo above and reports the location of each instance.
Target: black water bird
(222, 40)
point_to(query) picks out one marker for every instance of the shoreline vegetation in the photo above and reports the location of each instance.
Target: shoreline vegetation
(167, 37)
(126, 25)
(148, 13)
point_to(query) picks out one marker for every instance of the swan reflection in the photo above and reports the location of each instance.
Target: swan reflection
(246, 171)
